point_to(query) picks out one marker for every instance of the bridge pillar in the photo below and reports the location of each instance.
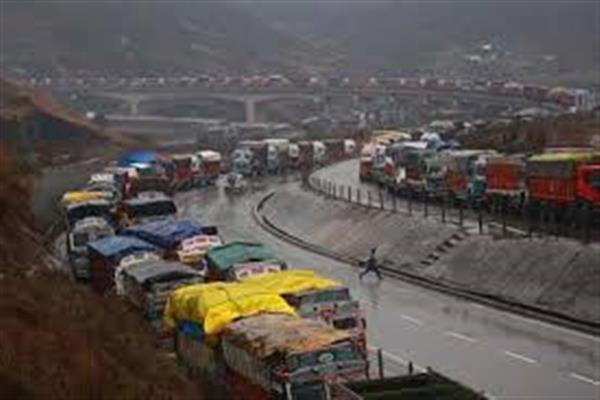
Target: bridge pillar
(250, 110)
(134, 107)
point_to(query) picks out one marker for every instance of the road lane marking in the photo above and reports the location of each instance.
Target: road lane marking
(411, 319)
(585, 379)
(554, 327)
(460, 336)
(520, 357)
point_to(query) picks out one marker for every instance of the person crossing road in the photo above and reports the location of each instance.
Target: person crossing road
(371, 265)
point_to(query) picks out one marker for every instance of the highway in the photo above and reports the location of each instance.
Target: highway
(503, 354)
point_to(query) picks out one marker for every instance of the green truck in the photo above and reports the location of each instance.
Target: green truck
(227, 262)
(427, 385)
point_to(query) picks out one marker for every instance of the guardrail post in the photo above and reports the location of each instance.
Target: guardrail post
(461, 213)
(480, 219)
(358, 199)
(410, 195)
(443, 206)
(333, 190)
(530, 221)
(503, 211)
(553, 220)
(349, 194)
(380, 363)
(368, 198)
(587, 223)
(381, 205)
(425, 203)
(394, 203)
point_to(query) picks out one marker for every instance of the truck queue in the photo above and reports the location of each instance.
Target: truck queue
(565, 179)
(233, 309)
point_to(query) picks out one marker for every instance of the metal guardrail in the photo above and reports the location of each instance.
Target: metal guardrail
(585, 226)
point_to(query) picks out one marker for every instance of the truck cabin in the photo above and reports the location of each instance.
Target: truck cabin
(183, 166)
(86, 230)
(147, 209)
(92, 208)
(567, 178)
(112, 190)
(220, 260)
(156, 276)
(288, 358)
(192, 250)
(333, 305)
(210, 163)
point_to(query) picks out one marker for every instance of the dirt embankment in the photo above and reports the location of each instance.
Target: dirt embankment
(570, 130)
(58, 340)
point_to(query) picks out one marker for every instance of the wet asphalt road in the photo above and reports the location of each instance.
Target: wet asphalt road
(505, 355)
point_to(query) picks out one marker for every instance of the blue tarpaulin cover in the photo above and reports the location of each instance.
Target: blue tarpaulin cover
(114, 248)
(166, 233)
(142, 157)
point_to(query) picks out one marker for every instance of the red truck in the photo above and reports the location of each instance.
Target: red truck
(564, 178)
(335, 150)
(505, 180)
(210, 166)
(183, 174)
(306, 156)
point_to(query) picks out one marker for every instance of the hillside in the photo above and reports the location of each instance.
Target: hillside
(576, 130)
(36, 127)
(435, 35)
(128, 37)
(58, 340)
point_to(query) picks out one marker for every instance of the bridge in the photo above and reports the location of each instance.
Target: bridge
(140, 100)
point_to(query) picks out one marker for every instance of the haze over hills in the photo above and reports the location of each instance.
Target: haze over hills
(348, 37)
(134, 36)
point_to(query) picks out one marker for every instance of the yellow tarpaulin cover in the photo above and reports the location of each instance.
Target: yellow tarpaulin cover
(291, 281)
(82, 196)
(215, 305)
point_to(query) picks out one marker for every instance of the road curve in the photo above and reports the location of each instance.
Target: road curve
(505, 355)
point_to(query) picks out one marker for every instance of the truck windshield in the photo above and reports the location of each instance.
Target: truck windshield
(345, 323)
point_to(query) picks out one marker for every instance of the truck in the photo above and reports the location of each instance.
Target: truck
(147, 207)
(365, 162)
(278, 159)
(314, 297)
(335, 150)
(91, 208)
(319, 153)
(224, 261)
(505, 181)
(277, 356)
(250, 158)
(183, 174)
(104, 256)
(170, 234)
(566, 179)
(84, 231)
(306, 157)
(423, 385)
(193, 250)
(465, 174)
(409, 165)
(148, 285)
(210, 166)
